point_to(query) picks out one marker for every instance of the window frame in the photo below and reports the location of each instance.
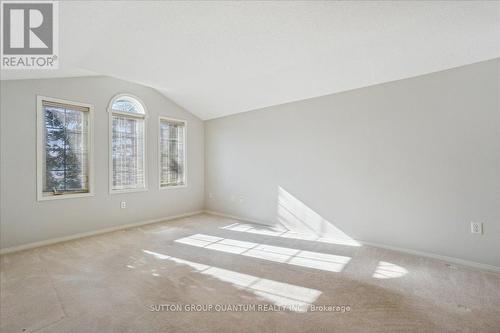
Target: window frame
(171, 187)
(144, 116)
(40, 121)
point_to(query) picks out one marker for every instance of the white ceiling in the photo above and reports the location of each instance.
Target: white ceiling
(221, 58)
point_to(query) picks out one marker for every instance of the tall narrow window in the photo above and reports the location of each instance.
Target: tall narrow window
(172, 152)
(128, 144)
(64, 151)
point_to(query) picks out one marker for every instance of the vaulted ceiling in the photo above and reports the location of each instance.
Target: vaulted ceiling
(221, 58)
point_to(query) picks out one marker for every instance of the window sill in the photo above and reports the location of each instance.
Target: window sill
(131, 190)
(63, 196)
(172, 187)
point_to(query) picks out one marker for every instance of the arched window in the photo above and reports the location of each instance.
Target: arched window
(127, 160)
(126, 103)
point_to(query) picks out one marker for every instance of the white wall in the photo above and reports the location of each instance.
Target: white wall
(24, 220)
(407, 164)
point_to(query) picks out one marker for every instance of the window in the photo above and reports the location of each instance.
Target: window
(64, 149)
(172, 146)
(127, 144)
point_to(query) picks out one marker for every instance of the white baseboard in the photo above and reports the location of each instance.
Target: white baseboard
(92, 233)
(234, 217)
(28, 246)
(453, 260)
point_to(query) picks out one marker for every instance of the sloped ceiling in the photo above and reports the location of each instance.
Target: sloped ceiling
(221, 58)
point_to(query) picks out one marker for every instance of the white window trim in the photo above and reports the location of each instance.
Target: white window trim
(171, 187)
(110, 143)
(40, 148)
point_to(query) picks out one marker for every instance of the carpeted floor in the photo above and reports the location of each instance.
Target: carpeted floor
(256, 280)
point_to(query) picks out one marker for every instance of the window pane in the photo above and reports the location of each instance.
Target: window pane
(172, 150)
(127, 153)
(127, 104)
(65, 164)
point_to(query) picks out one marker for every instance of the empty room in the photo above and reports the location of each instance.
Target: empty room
(249, 166)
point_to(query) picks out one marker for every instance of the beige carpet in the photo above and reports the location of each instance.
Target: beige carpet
(113, 282)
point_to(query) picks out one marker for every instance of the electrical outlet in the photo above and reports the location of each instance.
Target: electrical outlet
(210, 195)
(241, 199)
(123, 204)
(476, 227)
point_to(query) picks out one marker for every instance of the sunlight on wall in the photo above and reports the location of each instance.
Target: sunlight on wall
(309, 259)
(387, 270)
(278, 293)
(297, 217)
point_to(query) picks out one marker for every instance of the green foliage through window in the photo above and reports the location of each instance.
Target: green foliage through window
(66, 151)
